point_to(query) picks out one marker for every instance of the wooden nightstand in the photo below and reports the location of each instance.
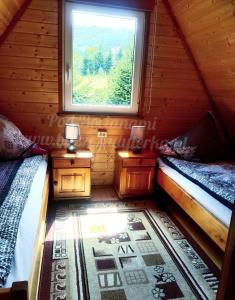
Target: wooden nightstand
(134, 173)
(71, 174)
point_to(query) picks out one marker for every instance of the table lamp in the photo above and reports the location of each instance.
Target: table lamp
(72, 133)
(137, 136)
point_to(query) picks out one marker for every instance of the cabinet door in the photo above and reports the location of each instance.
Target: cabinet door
(138, 181)
(71, 182)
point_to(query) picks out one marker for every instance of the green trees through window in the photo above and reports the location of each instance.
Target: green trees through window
(103, 58)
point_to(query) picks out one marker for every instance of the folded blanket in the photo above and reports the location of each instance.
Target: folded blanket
(217, 179)
(15, 183)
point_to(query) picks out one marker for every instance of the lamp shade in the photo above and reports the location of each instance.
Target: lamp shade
(72, 131)
(137, 132)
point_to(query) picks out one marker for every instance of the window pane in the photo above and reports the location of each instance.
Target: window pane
(103, 58)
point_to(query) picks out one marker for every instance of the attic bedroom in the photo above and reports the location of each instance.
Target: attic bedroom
(117, 166)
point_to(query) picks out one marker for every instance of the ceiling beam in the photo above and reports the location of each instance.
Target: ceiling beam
(14, 20)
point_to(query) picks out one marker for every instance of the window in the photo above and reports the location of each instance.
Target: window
(102, 59)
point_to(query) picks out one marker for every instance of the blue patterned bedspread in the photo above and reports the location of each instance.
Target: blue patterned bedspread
(16, 178)
(217, 179)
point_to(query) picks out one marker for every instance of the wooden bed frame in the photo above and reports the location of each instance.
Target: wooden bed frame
(25, 290)
(216, 230)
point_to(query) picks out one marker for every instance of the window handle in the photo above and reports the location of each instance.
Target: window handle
(68, 71)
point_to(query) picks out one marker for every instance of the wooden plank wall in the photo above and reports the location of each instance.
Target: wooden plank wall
(178, 98)
(29, 87)
(8, 10)
(209, 27)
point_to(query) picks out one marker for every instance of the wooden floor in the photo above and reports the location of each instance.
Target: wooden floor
(103, 194)
(107, 193)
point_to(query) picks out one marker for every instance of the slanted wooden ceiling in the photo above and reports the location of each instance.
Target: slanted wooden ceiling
(8, 10)
(209, 27)
(175, 98)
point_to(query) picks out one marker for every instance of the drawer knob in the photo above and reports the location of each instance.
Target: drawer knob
(72, 161)
(55, 182)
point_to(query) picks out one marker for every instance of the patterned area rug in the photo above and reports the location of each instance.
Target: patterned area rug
(121, 251)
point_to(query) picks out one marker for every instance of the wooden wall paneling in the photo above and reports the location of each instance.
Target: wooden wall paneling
(209, 27)
(18, 85)
(177, 88)
(27, 107)
(29, 63)
(19, 38)
(36, 28)
(29, 91)
(23, 74)
(190, 54)
(45, 5)
(40, 16)
(29, 97)
(28, 51)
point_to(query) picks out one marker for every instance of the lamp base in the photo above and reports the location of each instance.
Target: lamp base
(71, 147)
(136, 149)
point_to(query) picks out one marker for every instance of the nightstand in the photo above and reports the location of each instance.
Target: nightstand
(134, 173)
(71, 174)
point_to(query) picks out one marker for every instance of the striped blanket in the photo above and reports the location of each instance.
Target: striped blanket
(16, 178)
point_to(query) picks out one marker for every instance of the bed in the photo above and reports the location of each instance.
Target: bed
(209, 211)
(23, 279)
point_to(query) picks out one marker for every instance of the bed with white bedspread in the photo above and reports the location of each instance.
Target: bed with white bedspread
(205, 191)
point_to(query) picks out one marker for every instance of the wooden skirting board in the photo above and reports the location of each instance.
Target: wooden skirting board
(28, 289)
(217, 231)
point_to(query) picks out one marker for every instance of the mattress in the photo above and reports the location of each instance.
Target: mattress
(22, 262)
(216, 208)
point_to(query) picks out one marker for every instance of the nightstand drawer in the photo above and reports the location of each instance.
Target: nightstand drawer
(139, 162)
(71, 163)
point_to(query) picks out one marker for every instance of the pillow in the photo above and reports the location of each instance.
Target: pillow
(13, 144)
(205, 142)
(166, 150)
(36, 150)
